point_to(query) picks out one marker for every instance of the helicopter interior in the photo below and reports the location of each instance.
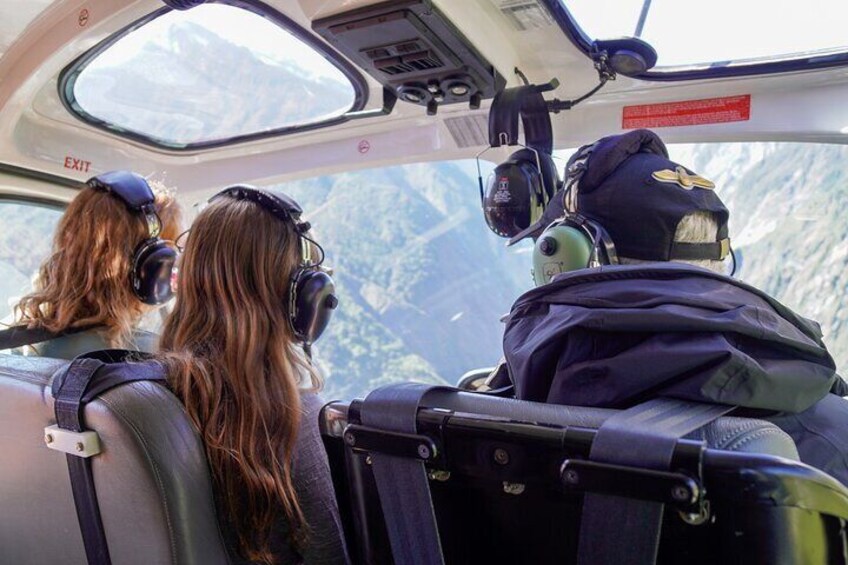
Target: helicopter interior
(379, 117)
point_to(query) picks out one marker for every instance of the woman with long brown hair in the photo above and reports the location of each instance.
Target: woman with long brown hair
(110, 263)
(250, 299)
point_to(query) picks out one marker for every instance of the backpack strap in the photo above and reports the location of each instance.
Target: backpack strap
(85, 378)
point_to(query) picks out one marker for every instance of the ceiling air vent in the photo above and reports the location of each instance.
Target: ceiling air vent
(410, 47)
(377, 53)
(421, 61)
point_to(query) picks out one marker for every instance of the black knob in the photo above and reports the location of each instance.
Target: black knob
(548, 246)
(331, 302)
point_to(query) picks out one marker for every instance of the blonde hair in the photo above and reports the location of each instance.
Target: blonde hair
(86, 281)
(234, 362)
(697, 227)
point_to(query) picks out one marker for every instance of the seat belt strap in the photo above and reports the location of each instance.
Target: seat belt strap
(402, 483)
(18, 336)
(621, 531)
(87, 377)
(69, 407)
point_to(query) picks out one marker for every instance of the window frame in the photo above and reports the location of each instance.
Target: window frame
(70, 74)
(717, 69)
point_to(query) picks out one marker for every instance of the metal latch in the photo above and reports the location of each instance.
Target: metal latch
(81, 444)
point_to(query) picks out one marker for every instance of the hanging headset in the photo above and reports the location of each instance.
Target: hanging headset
(311, 291)
(519, 189)
(153, 258)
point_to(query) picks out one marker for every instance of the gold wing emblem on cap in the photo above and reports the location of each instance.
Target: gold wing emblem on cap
(680, 177)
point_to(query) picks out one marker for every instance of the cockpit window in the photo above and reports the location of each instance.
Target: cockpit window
(423, 283)
(209, 76)
(692, 34)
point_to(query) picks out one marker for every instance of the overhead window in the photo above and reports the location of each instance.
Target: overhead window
(719, 33)
(208, 76)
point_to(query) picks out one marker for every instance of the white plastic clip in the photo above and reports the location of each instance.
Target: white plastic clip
(81, 444)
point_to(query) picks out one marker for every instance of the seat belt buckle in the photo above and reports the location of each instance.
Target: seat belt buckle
(81, 444)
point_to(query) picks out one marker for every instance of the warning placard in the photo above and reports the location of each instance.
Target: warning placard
(688, 112)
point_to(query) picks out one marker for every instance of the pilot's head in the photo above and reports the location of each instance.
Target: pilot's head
(625, 202)
(88, 278)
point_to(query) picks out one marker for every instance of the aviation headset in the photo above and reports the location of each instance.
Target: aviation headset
(519, 189)
(311, 291)
(153, 258)
(573, 241)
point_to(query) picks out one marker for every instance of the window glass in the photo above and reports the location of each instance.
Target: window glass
(209, 74)
(25, 241)
(423, 282)
(693, 32)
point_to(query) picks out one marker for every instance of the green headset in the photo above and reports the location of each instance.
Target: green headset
(570, 243)
(573, 241)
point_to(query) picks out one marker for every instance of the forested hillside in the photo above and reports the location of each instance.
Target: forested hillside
(26, 235)
(789, 205)
(422, 281)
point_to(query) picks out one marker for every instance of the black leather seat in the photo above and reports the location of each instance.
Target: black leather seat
(499, 494)
(152, 477)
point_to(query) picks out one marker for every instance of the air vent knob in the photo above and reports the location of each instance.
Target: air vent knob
(414, 92)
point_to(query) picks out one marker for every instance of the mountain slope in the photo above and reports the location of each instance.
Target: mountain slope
(422, 280)
(788, 222)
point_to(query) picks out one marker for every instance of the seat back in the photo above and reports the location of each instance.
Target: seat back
(152, 478)
(499, 495)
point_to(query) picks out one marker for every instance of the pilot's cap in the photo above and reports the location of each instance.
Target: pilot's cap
(630, 186)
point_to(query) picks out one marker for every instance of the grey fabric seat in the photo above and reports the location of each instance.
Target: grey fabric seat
(152, 478)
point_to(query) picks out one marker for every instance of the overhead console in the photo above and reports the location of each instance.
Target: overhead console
(411, 48)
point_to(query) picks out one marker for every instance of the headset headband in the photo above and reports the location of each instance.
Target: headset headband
(281, 206)
(132, 189)
(529, 103)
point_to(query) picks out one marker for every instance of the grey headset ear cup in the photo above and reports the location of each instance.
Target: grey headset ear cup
(152, 268)
(312, 300)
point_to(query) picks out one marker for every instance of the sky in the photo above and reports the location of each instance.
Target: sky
(701, 31)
